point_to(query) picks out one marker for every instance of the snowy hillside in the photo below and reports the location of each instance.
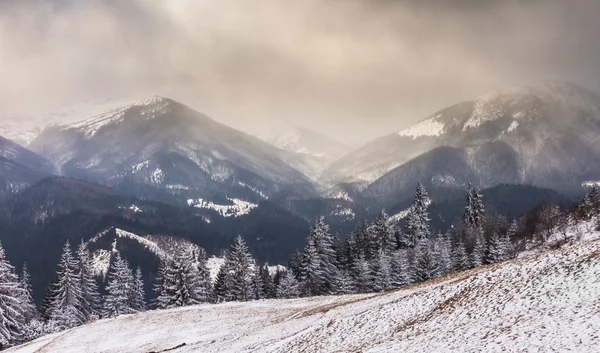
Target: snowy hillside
(541, 302)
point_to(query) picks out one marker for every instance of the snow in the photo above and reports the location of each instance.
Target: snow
(395, 218)
(590, 184)
(343, 212)
(513, 126)
(341, 195)
(428, 127)
(255, 190)
(158, 176)
(136, 209)
(236, 209)
(101, 262)
(543, 302)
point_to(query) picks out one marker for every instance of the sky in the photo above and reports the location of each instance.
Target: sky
(352, 69)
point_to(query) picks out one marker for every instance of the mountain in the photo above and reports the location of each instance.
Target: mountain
(20, 167)
(160, 148)
(306, 150)
(518, 305)
(546, 135)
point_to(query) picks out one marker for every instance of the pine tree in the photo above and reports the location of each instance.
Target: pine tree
(239, 266)
(478, 254)
(270, 291)
(417, 220)
(12, 313)
(29, 310)
(425, 266)
(363, 278)
(204, 291)
(444, 249)
(382, 235)
(381, 272)
(90, 298)
(221, 289)
(401, 270)
(460, 258)
(345, 284)
(474, 210)
(257, 286)
(311, 273)
(65, 308)
(136, 295)
(162, 296)
(119, 288)
(288, 286)
(494, 251)
(327, 255)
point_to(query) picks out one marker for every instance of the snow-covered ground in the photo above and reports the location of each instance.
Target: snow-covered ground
(543, 302)
(237, 208)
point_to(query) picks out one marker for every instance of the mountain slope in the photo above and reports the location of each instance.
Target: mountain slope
(160, 144)
(526, 134)
(306, 150)
(546, 301)
(20, 167)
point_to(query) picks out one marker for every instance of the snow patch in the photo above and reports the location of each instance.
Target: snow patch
(428, 127)
(341, 195)
(590, 184)
(238, 208)
(513, 126)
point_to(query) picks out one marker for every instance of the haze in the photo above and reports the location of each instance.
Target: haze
(353, 69)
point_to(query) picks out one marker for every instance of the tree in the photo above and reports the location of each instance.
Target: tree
(12, 310)
(119, 289)
(257, 286)
(460, 258)
(381, 236)
(163, 299)
(478, 253)
(548, 216)
(269, 289)
(382, 272)
(311, 273)
(474, 210)
(221, 287)
(345, 283)
(417, 219)
(65, 308)
(363, 278)
(136, 295)
(239, 266)
(425, 266)
(496, 251)
(29, 310)
(288, 286)
(204, 291)
(90, 298)
(443, 248)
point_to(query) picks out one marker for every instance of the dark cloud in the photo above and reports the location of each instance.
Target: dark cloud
(355, 69)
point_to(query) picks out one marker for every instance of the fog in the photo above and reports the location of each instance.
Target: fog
(352, 69)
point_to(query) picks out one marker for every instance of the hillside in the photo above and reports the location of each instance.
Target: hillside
(537, 302)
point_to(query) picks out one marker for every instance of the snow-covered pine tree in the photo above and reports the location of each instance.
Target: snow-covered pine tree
(29, 310)
(417, 219)
(12, 318)
(494, 252)
(204, 291)
(257, 287)
(345, 284)
(508, 240)
(162, 296)
(90, 297)
(184, 275)
(382, 235)
(443, 248)
(474, 210)
(239, 266)
(460, 258)
(363, 277)
(382, 272)
(269, 290)
(65, 308)
(136, 295)
(327, 255)
(311, 273)
(402, 272)
(119, 289)
(478, 253)
(221, 288)
(288, 286)
(425, 266)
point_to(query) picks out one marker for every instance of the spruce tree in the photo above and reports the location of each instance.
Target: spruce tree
(90, 298)
(417, 220)
(221, 290)
(311, 273)
(381, 272)
(345, 284)
(161, 288)
(65, 308)
(460, 258)
(267, 280)
(239, 266)
(363, 276)
(474, 210)
(402, 272)
(257, 287)
(382, 235)
(136, 295)
(119, 289)
(327, 256)
(426, 266)
(288, 287)
(478, 253)
(12, 310)
(204, 291)
(443, 248)
(29, 310)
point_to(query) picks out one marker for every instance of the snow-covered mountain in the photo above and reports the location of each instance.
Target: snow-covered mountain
(541, 302)
(161, 145)
(306, 150)
(546, 134)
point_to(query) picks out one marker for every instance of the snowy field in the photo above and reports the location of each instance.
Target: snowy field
(538, 303)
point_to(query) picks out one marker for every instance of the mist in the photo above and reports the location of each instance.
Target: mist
(353, 69)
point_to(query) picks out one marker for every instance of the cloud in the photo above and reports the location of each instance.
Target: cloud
(354, 69)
